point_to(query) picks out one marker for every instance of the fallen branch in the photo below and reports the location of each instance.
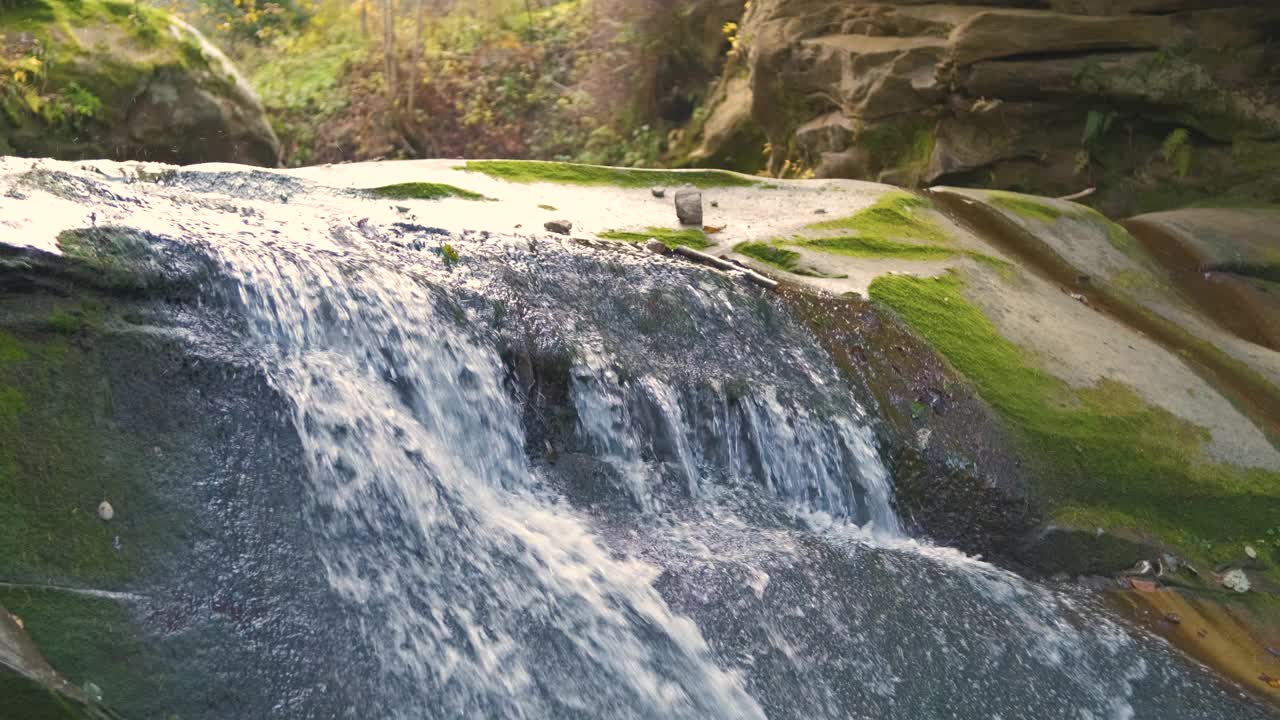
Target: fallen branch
(716, 262)
(1080, 195)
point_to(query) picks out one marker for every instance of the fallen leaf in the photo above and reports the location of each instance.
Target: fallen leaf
(711, 230)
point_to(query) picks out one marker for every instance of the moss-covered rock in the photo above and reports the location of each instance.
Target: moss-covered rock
(109, 79)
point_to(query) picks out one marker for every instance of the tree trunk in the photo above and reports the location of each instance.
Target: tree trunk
(389, 47)
(415, 73)
(364, 19)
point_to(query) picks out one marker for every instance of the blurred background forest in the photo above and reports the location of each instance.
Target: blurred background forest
(598, 81)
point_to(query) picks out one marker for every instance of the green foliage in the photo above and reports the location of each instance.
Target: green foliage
(532, 171)
(1106, 457)
(83, 103)
(895, 216)
(503, 78)
(1176, 150)
(423, 191)
(778, 257)
(693, 238)
(254, 19)
(1096, 125)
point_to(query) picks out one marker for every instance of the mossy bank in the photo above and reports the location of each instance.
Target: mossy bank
(108, 79)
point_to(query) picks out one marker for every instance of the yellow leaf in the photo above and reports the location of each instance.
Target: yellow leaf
(19, 76)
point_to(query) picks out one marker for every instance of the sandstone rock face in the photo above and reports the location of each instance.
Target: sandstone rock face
(1152, 101)
(103, 79)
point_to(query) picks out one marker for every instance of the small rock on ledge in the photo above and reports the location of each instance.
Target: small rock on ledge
(563, 227)
(105, 511)
(689, 206)
(656, 247)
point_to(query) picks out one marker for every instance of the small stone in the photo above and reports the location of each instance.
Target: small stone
(689, 206)
(656, 247)
(93, 692)
(105, 511)
(1173, 618)
(562, 227)
(1146, 586)
(819, 211)
(1236, 580)
(1248, 550)
(18, 621)
(659, 192)
(715, 203)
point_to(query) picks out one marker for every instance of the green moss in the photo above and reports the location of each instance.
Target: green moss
(572, 174)
(1026, 206)
(895, 216)
(71, 321)
(450, 254)
(778, 257)
(1007, 270)
(872, 247)
(60, 455)
(692, 237)
(548, 208)
(1104, 456)
(86, 639)
(49, 114)
(38, 703)
(423, 191)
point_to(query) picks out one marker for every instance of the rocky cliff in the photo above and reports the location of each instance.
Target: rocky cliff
(105, 79)
(1157, 103)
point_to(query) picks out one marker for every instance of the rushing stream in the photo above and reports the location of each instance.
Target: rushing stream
(705, 530)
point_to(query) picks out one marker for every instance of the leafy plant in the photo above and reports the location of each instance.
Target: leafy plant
(1176, 151)
(1096, 126)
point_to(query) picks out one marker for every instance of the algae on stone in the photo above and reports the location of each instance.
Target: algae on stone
(693, 238)
(423, 191)
(770, 254)
(895, 216)
(1103, 456)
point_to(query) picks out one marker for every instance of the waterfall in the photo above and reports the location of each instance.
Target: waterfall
(696, 524)
(483, 594)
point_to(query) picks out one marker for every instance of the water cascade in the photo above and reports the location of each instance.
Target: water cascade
(532, 499)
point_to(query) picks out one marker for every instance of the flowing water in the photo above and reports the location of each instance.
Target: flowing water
(700, 527)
